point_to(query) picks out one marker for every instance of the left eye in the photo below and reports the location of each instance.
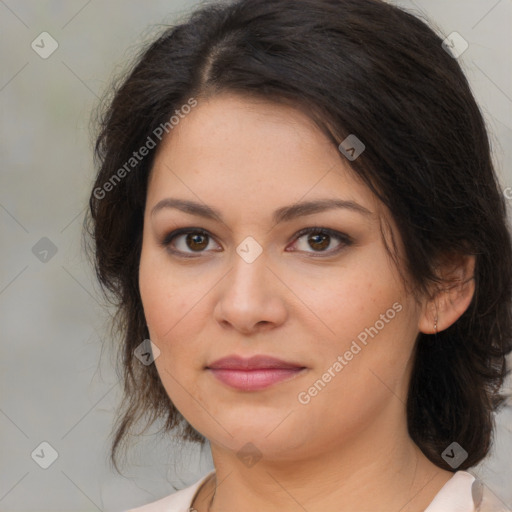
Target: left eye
(197, 240)
(320, 239)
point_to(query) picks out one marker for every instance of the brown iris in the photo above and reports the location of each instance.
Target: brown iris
(321, 245)
(193, 238)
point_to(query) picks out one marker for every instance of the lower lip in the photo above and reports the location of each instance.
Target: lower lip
(254, 380)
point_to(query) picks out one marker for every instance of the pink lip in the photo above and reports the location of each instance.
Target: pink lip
(254, 373)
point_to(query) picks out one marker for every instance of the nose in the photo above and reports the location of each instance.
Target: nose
(251, 299)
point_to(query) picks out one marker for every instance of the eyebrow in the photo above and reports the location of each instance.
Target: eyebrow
(283, 214)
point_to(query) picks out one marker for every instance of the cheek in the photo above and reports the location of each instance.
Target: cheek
(173, 309)
(367, 318)
(353, 298)
(163, 305)
(157, 301)
(165, 311)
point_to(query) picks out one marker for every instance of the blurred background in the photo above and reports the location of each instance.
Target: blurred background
(58, 384)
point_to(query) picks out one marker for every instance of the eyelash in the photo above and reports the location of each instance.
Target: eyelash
(344, 239)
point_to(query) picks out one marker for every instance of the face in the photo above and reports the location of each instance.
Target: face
(247, 281)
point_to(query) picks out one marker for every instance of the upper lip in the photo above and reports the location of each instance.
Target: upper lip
(235, 362)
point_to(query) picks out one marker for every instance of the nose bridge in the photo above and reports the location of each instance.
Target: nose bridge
(248, 276)
(248, 297)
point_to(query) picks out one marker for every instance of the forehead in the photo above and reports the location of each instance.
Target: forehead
(245, 145)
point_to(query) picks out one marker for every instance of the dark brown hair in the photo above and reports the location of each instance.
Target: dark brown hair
(359, 67)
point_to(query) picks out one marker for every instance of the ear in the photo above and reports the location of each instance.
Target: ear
(452, 297)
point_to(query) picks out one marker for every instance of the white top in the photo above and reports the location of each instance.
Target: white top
(462, 493)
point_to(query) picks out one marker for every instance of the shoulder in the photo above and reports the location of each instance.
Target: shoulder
(180, 501)
(488, 501)
(465, 493)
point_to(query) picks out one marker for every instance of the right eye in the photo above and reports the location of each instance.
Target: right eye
(196, 240)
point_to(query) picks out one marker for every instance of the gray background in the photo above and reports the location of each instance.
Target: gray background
(57, 379)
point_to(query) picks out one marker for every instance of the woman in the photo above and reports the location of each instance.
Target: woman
(298, 215)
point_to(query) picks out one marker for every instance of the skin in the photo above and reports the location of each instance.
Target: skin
(348, 448)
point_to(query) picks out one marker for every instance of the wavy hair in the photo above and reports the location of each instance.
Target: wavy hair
(354, 66)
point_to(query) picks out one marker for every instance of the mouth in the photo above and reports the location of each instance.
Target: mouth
(255, 373)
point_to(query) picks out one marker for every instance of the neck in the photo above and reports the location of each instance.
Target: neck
(365, 474)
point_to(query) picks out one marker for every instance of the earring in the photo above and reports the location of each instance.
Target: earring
(435, 325)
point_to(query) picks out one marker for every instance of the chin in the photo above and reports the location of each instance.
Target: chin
(264, 439)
